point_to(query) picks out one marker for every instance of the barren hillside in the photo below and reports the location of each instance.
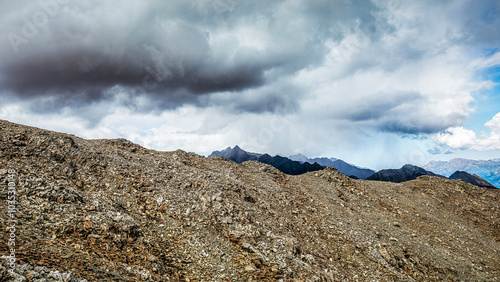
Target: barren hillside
(111, 210)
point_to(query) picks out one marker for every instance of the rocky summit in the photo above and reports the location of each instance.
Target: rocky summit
(111, 210)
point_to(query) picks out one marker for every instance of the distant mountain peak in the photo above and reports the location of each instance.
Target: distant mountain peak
(299, 158)
(299, 155)
(489, 170)
(236, 154)
(473, 179)
(283, 164)
(405, 173)
(340, 165)
(413, 168)
(294, 164)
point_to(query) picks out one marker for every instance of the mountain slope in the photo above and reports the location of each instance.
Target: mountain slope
(487, 169)
(406, 173)
(472, 179)
(111, 210)
(349, 169)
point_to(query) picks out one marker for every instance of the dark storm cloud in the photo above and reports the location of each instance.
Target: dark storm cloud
(80, 50)
(407, 60)
(276, 98)
(89, 73)
(81, 61)
(393, 112)
(380, 104)
(405, 113)
(414, 122)
(409, 127)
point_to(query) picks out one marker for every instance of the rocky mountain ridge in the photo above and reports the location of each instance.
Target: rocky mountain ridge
(236, 154)
(283, 164)
(111, 210)
(406, 173)
(295, 164)
(473, 179)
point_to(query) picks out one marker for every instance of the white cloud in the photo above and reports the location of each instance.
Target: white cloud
(494, 123)
(461, 138)
(458, 138)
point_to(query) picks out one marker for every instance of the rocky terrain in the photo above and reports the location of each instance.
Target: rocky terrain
(111, 210)
(406, 173)
(473, 179)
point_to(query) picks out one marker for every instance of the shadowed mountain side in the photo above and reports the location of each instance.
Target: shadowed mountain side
(340, 165)
(322, 161)
(283, 164)
(288, 166)
(295, 164)
(236, 154)
(351, 170)
(406, 173)
(472, 179)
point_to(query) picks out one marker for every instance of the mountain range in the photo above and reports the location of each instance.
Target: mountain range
(283, 164)
(299, 164)
(236, 154)
(411, 172)
(295, 164)
(342, 166)
(487, 169)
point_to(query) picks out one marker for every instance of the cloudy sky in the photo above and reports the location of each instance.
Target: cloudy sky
(376, 83)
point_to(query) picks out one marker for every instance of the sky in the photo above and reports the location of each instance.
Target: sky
(375, 83)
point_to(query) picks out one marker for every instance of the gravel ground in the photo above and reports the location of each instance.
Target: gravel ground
(111, 210)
